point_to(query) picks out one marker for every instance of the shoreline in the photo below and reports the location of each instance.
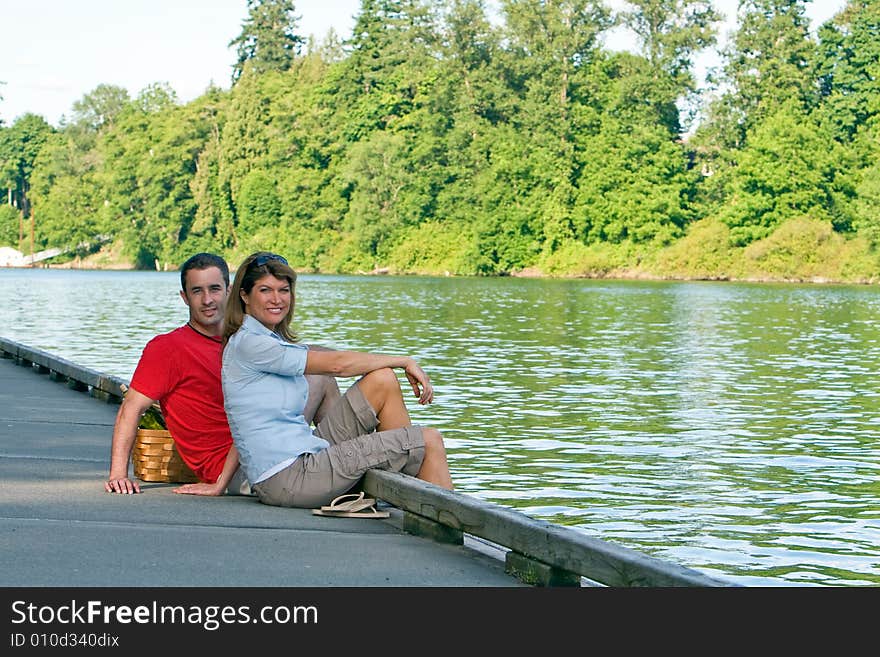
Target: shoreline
(530, 273)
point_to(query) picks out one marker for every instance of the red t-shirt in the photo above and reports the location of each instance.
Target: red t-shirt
(182, 370)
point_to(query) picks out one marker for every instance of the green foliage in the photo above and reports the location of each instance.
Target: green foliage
(268, 39)
(790, 168)
(435, 248)
(65, 193)
(801, 249)
(437, 141)
(155, 98)
(99, 108)
(848, 68)
(769, 63)
(634, 186)
(670, 34)
(20, 144)
(9, 226)
(258, 203)
(866, 204)
(600, 260)
(705, 252)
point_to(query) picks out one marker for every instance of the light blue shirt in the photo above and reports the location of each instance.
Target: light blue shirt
(265, 392)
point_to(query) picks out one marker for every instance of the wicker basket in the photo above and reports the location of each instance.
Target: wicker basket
(155, 458)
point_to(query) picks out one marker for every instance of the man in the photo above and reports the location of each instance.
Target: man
(181, 370)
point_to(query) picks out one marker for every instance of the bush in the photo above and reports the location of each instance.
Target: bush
(705, 252)
(806, 249)
(594, 261)
(435, 248)
(9, 218)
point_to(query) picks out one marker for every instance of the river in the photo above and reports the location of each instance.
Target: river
(732, 428)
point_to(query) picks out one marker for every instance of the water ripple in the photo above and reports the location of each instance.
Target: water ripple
(731, 428)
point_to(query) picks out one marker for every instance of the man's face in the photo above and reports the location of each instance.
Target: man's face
(205, 294)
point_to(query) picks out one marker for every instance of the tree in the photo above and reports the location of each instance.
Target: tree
(66, 192)
(148, 161)
(155, 98)
(849, 68)
(391, 56)
(469, 101)
(552, 49)
(635, 187)
(19, 146)
(98, 109)
(791, 168)
(258, 203)
(10, 224)
(438, 140)
(769, 62)
(268, 39)
(670, 34)
(551, 45)
(213, 223)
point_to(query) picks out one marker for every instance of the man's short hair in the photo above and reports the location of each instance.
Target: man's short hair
(204, 261)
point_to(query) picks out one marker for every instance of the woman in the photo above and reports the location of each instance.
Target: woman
(265, 393)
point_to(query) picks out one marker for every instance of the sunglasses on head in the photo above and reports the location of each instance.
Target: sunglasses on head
(259, 261)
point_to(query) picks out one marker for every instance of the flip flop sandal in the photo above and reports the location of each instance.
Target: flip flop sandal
(356, 503)
(359, 507)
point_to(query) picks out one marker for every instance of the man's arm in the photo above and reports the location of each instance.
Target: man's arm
(134, 405)
(218, 487)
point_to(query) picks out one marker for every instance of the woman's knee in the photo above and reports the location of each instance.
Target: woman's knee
(433, 440)
(384, 379)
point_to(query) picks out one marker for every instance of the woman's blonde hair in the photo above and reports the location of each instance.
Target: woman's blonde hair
(254, 267)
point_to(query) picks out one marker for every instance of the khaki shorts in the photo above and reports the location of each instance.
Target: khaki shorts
(355, 446)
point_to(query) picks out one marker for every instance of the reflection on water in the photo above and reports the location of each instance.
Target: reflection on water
(732, 428)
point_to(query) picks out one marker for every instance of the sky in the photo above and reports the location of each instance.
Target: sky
(53, 52)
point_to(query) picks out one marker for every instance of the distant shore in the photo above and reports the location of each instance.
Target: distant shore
(533, 273)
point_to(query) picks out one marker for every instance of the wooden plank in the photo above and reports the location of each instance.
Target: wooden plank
(555, 545)
(76, 376)
(538, 573)
(422, 526)
(8, 347)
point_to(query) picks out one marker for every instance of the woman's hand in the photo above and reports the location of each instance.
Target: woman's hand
(200, 489)
(420, 382)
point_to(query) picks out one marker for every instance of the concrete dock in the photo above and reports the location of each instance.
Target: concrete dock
(59, 528)
(62, 529)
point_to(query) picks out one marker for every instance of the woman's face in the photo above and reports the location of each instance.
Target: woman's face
(268, 301)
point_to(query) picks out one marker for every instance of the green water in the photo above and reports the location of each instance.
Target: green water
(733, 428)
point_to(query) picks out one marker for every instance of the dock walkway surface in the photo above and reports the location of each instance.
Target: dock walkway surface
(60, 529)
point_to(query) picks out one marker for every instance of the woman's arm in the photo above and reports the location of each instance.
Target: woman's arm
(218, 487)
(356, 363)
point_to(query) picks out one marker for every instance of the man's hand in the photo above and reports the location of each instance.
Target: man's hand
(122, 485)
(200, 489)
